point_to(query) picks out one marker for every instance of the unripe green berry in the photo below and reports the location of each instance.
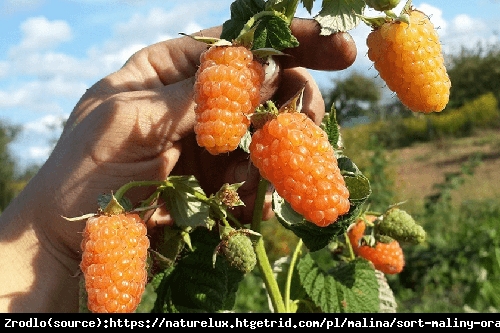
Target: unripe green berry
(239, 251)
(401, 226)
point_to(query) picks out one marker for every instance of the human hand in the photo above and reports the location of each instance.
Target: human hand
(137, 124)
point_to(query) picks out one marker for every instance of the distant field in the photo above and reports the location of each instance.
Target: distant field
(419, 167)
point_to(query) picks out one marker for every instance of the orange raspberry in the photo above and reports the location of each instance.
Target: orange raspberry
(386, 257)
(408, 58)
(114, 262)
(227, 91)
(294, 154)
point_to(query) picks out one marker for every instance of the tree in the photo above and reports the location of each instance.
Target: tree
(474, 72)
(7, 165)
(353, 96)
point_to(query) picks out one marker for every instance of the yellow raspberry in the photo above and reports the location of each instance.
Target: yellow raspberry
(294, 154)
(409, 59)
(227, 91)
(114, 262)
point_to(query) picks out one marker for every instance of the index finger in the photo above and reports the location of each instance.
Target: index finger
(177, 59)
(333, 52)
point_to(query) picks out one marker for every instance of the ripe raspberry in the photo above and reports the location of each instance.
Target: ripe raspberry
(386, 257)
(409, 59)
(294, 154)
(114, 262)
(227, 91)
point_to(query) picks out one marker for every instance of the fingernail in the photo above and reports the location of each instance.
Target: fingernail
(270, 69)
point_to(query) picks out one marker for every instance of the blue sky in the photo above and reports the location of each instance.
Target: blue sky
(52, 50)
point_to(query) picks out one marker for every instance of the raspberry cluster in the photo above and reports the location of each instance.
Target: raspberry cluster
(386, 257)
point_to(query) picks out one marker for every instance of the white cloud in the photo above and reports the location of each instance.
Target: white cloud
(108, 59)
(51, 64)
(39, 33)
(463, 23)
(41, 96)
(45, 125)
(62, 87)
(159, 22)
(4, 68)
(142, 29)
(466, 31)
(39, 152)
(183, 17)
(9, 99)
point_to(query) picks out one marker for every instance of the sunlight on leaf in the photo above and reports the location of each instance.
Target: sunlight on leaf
(339, 15)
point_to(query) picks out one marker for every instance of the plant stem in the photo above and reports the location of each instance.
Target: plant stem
(352, 256)
(268, 277)
(289, 276)
(291, 9)
(260, 251)
(259, 204)
(121, 191)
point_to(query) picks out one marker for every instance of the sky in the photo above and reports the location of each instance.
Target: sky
(51, 51)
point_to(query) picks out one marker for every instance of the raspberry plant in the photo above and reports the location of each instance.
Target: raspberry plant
(338, 265)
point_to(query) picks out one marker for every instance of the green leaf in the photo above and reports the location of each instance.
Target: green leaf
(308, 5)
(347, 287)
(241, 12)
(386, 297)
(273, 31)
(171, 244)
(347, 166)
(196, 284)
(359, 188)
(270, 29)
(280, 269)
(182, 200)
(359, 287)
(339, 15)
(148, 300)
(245, 142)
(314, 237)
(106, 199)
(286, 7)
(331, 127)
(82, 296)
(319, 285)
(358, 185)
